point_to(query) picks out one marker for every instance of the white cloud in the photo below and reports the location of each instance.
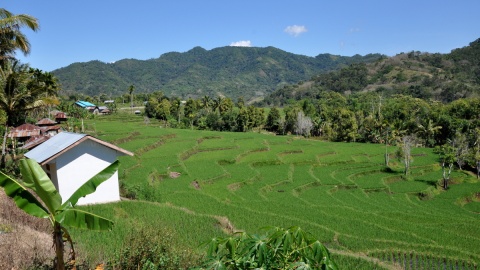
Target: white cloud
(354, 30)
(295, 30)
(242, 43)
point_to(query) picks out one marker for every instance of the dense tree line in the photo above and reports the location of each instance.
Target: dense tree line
(360, 117)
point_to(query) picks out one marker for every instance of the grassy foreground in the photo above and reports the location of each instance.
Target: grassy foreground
(195, 185)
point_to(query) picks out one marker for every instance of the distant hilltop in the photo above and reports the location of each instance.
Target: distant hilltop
(272, 74)
(250, 72)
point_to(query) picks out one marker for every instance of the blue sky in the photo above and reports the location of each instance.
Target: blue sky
(107, 30)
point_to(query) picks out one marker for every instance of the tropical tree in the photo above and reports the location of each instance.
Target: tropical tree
(447, 159)
(11, 38)
(23, 89)
(49, 203)
(242, 120)
(460, 146)
(404, 151)
(303, 125)
(175, 109)
(278, 248)
(428, 132)
(344, 125)
(206, 103)
(273, 118)
(131, 88)
(190, 110)
(474, 159)
(163, 109)
(291, 113)
(225, 105)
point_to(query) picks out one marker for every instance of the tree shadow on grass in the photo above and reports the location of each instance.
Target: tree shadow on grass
(432, 183)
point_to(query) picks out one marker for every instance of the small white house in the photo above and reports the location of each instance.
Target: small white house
(70, 159)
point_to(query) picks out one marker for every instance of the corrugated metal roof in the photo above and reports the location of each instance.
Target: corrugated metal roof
(46, 121)
(25, 130)
(63, 142)
(60, 115)
(34, 141)
(53, 146)
(84, 103)
(48, 128)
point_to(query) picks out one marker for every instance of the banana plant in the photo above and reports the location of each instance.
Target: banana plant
(278, 248)
(37, 196)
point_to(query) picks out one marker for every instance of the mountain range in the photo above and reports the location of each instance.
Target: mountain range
(250, 72)
(429, 76)
(273, 76)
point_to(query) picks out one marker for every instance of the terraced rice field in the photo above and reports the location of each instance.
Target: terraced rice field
(340, 192)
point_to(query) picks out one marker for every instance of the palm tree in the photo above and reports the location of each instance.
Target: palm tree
(49, 203)
(206, 102)
(11, 38)
(23, 89)
(428, 132)
(130, 92)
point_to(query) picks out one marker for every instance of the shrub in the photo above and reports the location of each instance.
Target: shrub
(150, 248)
(278, 248)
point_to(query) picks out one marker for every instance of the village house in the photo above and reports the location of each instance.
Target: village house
(48, 126)
(86, 105)
(92, 107)
(70, 159)
(24, 132)
(27, 136)
(60, 116)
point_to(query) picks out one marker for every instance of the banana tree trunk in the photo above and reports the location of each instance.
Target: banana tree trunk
(59, 246)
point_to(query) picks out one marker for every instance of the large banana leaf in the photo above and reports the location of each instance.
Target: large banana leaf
(91, 185)
(22, 197)
(36, 179)
(83, 220)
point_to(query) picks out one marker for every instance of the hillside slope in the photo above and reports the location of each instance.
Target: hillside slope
(443, 77)
(230, 71)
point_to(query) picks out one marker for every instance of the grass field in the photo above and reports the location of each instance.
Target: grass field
(369, 217)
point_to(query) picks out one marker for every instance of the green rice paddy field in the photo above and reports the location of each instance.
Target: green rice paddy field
(202, 184)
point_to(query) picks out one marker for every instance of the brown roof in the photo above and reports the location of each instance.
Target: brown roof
(60, 115)
(46, 122)
(25, 130)
(47, 128)
(34, 141)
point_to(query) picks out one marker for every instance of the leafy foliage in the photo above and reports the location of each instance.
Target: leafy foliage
(24, 89)
(278, 248)
(51, 206)
(11, 38)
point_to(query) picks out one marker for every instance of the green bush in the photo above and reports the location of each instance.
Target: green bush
(149, 248)
(278, 248)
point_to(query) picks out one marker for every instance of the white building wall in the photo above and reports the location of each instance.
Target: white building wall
(81, 163)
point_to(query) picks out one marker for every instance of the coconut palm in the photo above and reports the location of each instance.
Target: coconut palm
(206, 103)
(23, 89)
(11, 38)
(36, 184)
(131, 88)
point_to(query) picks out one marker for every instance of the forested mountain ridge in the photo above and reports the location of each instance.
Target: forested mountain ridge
(442, 77)
(226, 71)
